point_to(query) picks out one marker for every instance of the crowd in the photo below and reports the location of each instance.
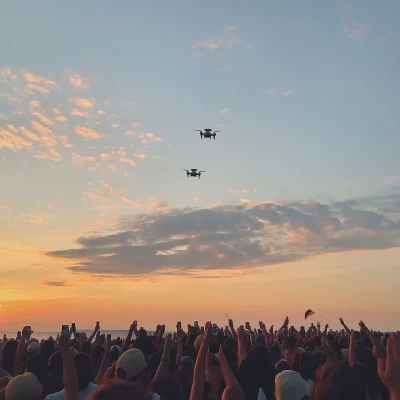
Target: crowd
(203, 363)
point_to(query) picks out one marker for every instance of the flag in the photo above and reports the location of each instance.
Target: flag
(308, 313)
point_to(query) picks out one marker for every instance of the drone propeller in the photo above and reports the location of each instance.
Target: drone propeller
(185, 170)
(198, 130)
(201, 172)
(216, 131)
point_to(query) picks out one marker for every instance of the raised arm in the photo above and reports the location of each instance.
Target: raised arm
(179, 352)
(162, 370)
(233, 390)
(242, 352)
(19, 365)
(352, 349)
(378, 349)
(96, 329)
(232, 329)
(132, 328)
(348, 331)
(197, 392)
(104, 364)
(70, 377)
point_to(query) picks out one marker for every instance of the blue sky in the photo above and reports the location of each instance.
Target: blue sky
(306, 95)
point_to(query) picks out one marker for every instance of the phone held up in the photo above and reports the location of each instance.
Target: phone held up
(65, 330)
(108, 337)
(247, 326)
(179, 325)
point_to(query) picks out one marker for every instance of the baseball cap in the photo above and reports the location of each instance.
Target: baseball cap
(198, 342)
(116, 348)
(132, 362)
(290, 385)
(24, 387)
(33, 347)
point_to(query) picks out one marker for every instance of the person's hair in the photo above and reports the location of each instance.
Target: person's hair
(232, 344)
(9, 351)
(83, 370)
(85, 347)
(146, 345)
(47, 348)
(117, 390)
(282, 365)
(56, 365)
(184, 377)
(336, 380)
(291, 342)
(168, 389)
(307, 366)
(37, 364)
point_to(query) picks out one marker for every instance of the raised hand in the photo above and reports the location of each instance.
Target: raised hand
(389, 369)
(97, 327)
(208, 334)
(362, 326)
(240, 332)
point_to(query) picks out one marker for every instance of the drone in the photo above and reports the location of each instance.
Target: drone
(208, 133)
(193, 172)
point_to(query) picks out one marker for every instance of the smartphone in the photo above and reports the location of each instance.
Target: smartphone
(248, 326)
(215, 329)
(65, 330)
(312, 325)
(108, 337)
(73, 326)
(135, 322)
(179, 325)
(261, 324)
(77, 335)
(230, 321)
(318, 324)
(196, 324)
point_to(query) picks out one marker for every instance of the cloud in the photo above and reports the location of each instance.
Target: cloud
(79, 160)
(78, 113)
(64, 141)
(46, 135)
(136, 125)
(223, 69)
(36, 88)
(357, 31)
(58, 115)
(77, 80)
(13, 142)
(140, 155)
(286, 93)
(56, 283)
(115, 125)
(121, 197)
(82, 102)
(100, 112)
(127, 161)
(36, 79)
(241, 237)
(29, 134)
(51, 155)
(87, 132)
(229, 28)
(224, 110)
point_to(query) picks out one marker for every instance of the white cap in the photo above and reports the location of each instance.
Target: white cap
(33, 347)
(132, 362)
(24, 387)
(290, 385)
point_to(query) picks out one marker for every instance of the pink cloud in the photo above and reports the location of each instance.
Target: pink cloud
(87, 132)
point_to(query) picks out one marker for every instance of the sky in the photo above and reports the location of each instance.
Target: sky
(299, 206)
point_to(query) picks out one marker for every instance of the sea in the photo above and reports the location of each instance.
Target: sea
(45, 335)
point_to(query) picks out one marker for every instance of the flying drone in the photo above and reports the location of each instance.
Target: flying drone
(208, 133)
(193, 172)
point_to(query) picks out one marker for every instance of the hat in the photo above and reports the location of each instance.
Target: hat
(186, 360)
(73, 351)
(116, 349)
(198, 342)
(24, 387)
(289, 385)
(33, 347)
(132, 362)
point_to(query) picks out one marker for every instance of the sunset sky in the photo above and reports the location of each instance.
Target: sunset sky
(299, 206)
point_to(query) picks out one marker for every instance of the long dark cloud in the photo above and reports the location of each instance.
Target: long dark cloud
(237, 236)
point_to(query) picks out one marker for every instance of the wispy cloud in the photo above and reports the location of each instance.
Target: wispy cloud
(79, 160)
(77, 81)
(224, 110)
(228, 237)
(87, 132)
(224, 69)
(56, 283)
(229, 28)
(127, 161)
(357, 31)
(29, 134)
(51, 155)
(82, 102)
(136, 125)
(79, 113)
(13, 142)
(40, 80)
(286, 93)
(46, 135)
